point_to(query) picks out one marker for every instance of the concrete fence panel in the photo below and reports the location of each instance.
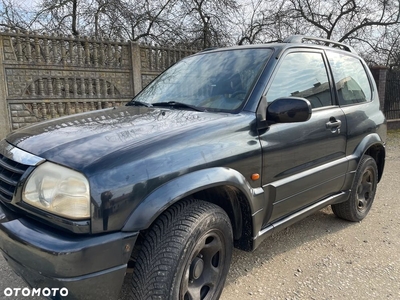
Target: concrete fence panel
(44, 77)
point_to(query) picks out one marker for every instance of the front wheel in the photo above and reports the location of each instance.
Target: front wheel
(185, 254)
(362, 193)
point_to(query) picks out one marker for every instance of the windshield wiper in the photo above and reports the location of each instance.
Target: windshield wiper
(138, 103)
(178, 104)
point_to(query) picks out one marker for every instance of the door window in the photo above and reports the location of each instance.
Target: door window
(302, 74)
(351, 81)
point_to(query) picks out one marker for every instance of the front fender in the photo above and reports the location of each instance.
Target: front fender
(180, 187)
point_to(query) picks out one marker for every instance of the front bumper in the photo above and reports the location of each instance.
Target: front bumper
(90, 267)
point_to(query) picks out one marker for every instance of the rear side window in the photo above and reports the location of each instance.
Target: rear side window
(302, 74)
(351, 81)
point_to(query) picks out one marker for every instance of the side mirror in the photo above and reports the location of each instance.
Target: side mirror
(289, 110)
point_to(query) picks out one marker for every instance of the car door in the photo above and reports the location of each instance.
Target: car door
(303, 162)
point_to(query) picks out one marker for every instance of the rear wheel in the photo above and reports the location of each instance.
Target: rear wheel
(185, 254)
(362, 194)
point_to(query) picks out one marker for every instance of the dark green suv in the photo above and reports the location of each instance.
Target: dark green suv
(221, 150)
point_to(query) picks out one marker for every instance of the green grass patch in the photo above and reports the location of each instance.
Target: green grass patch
(394, 132)
(393, 136)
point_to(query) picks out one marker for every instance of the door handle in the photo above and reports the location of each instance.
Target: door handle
(334, 125)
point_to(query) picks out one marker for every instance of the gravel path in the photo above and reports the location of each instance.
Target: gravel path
(321, 257)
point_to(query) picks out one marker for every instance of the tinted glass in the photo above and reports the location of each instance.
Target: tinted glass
(302, 74)
(214, 80)
(352, 83)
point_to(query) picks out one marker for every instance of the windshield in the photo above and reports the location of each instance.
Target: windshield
(214, 81)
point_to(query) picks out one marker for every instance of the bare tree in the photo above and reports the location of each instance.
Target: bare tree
(139, 20)
(14, 17)
(58, 15)
(117, 19)
(207, 23)
(371, 26)
(262, 21)
(345, 19)
(389, 49)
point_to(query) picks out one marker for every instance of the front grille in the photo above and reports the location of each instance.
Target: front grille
(10, 174)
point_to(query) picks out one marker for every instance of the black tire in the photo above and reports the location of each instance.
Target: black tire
(185, 254)
(362, 193)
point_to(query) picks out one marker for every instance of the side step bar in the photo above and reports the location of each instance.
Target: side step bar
(293, 218)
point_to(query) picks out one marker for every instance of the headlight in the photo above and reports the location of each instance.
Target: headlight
(58, 190)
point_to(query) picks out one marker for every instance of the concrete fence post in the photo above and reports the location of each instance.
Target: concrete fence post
(5, 126)
(136, 67)
(379, 73)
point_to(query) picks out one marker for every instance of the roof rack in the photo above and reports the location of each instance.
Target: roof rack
(329, 43)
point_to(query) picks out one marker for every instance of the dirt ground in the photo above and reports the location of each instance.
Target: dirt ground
(321, 257)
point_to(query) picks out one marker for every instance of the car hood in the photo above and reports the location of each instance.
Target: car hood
(79, 140)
